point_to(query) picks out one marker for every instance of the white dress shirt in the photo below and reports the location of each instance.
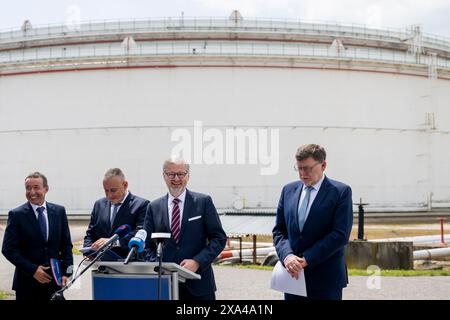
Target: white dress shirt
(111, 209)
(44, 212)
(170, 205)
(313, 193)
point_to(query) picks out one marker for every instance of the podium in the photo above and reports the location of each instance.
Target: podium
(137, 280)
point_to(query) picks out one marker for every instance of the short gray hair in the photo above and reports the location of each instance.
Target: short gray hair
(114, 172)
(175, 160)
(311, 150)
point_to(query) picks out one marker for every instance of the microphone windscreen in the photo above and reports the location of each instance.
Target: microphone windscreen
(161, 235)
(123, 230)
(138, 243)
(138, 240)
(141, 234)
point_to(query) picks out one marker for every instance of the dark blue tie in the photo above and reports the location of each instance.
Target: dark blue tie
(114, 213)
(42, 222)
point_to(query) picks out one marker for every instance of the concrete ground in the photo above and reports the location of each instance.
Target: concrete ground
(250, 284)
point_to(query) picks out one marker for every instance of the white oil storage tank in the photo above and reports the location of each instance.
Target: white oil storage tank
(237, 97)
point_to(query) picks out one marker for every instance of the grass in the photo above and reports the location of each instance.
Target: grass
(3, 295)
(362, 272)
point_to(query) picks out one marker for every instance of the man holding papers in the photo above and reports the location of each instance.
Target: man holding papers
(313, 224)
(118, 207)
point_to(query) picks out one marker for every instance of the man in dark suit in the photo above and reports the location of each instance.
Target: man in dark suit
(119, 207)
(36, 232)
(197, 233)
(313, 224)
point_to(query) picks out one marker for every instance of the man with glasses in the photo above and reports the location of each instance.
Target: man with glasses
(197, 233)
(313, 224)
(119, 207)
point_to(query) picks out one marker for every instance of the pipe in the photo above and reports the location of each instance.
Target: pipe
(245, 252)
(249, 243)
(428, 254)
(417, 240)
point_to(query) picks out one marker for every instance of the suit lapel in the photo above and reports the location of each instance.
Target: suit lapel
(33, 221)
(51, 220)
(31, 216)
(188, 210)
(161, 220)
(125, 204)
(105, 215)
(294, 205)
(321, 195)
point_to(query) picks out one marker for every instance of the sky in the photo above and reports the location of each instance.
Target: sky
(432, 15)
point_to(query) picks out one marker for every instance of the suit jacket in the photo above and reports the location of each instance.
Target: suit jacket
(202, 237)
(25, 247)
(131, 212)
(325, 233)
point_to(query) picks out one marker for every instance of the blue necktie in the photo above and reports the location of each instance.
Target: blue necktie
(114, 213)
(303, 208)
(42, 222)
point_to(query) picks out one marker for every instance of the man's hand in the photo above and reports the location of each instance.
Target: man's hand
(41, 276)
(64, 280)
(97, 244)
(190, 264)
(294, 264)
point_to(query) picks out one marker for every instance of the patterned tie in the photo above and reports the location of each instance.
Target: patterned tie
(303, 208)
(176, 220)
(114, 213)
(42, 222)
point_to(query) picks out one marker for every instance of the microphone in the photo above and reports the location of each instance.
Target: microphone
(119, 233)
(162, 235)
(136, 244)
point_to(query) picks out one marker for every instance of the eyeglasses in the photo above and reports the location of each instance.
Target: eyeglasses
(172, 175)
(305, 169)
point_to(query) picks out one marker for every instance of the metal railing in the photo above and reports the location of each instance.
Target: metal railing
(213, 24)
(215, 48)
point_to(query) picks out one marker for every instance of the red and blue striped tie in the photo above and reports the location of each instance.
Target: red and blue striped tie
(176, 220)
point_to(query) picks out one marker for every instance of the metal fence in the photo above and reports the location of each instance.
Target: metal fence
(216, 48)
(213, 24)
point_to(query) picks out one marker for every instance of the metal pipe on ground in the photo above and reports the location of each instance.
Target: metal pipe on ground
(245, 252)
(429, 254)
(417, 240)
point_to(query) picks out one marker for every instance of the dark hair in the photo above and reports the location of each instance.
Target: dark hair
(37, 175)
(311, 150)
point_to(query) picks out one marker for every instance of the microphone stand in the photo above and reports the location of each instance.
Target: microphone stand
(159, 254)
(130, 254)
(58, 295)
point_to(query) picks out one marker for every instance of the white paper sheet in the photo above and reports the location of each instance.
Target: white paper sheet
(282, 281)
